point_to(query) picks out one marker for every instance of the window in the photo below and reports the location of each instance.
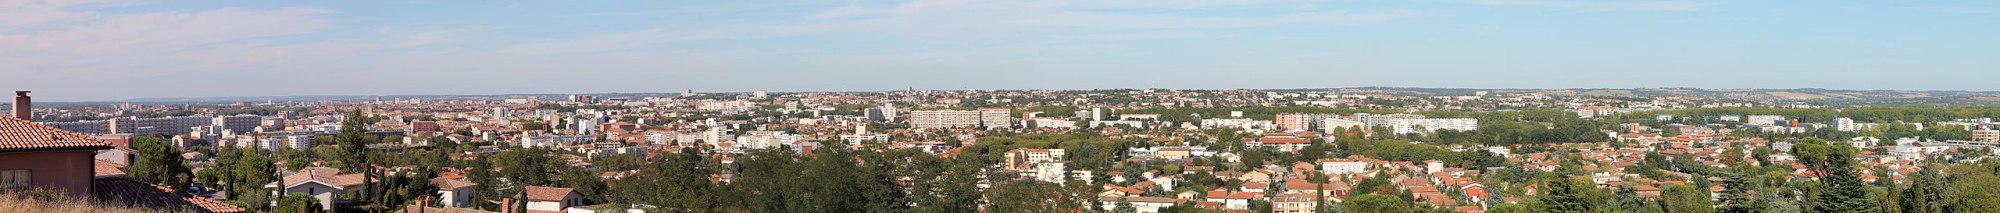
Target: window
(13, 179)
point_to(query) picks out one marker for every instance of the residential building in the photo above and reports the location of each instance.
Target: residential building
(1986, 136)
(322, 183)
(1845, 124)
(551, 199)
(162, 125)
(1330, 124)
(1763, 119)
(1142, 204)
(996, 117)
(1425, 125)
(241, 124)
(453, 192)
(1301, 121)
(944, 119)
(37, 156)
(1025, 158)
(84, 127)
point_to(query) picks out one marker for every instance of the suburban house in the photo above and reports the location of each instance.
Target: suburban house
(454, 192)
(321, 182)
(552, 199)
(37, 156)
(1142, 204)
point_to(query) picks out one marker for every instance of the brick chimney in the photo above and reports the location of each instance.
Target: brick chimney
(23, 108)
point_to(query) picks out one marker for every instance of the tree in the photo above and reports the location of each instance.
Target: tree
(1686, 199)
(1124, 206)
(1738, 197)
(159, 163)
(1566, 195)
(298, 203)
(1926, 193)
(1374, 203)
(1844, 191)
(354, 149)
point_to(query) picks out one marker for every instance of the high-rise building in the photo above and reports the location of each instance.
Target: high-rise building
(1762, 119)
(944, 118)
(238, 123)
(97, 127)
(1424, 125)
(996, 117)
(161, 125)
(885, 113)
(500, 112)
(1845, 124)
(1301, 121)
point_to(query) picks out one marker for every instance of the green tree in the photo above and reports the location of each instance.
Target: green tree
(159, 163)
(354, 150)
(1566, 195)
(1124, 206)
(1844, 190)
(1686, 199)
(1374, 203)
(298, 203)
(1927, 193)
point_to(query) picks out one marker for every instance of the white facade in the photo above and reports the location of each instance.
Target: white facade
(1763, 119)
(1845, 125)
(1407, 126)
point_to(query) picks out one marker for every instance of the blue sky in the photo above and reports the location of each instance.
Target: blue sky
(77, 50)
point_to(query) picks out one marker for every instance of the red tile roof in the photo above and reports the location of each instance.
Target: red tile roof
(450, 183)
(108, 169)
(537, 193)
(22, 135)
(130, 192)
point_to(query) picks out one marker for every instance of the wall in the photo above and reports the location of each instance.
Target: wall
(67, 170)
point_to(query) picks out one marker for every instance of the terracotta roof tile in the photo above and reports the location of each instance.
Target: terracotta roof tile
(537, 193)
(450, 183)
(17, 135)
(108, 169)
(137, 194)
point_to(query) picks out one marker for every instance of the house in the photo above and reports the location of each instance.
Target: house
(1142, 204)
(1294, 203)
(321, 182)
(552, 199)
(610, 208)
(454, 192)
(37, 156)
(1232, 200)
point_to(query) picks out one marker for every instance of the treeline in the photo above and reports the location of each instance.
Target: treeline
(1859, 114)
(833, 179)
(1084, 151)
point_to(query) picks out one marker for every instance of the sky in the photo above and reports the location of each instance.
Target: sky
(99, 50)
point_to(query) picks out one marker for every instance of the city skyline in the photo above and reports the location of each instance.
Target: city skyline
(87, 50)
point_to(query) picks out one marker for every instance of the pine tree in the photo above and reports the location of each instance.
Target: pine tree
(1843, 190)
(1566, 195)
(1738, 195)
(1926, 193)
(354, 147)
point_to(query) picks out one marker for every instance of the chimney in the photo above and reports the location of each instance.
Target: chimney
(506, 205)
(23, 108)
